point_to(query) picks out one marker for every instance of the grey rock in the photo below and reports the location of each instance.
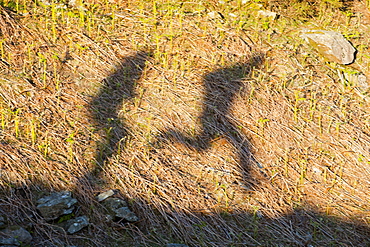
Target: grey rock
(114, 203)
(3, 222)
(105, 195)
(75, 225)
(57, 204)
(9, 242)
(331, 45)
(127, 214)
(118, 208)
(357, 79)
(19, 234)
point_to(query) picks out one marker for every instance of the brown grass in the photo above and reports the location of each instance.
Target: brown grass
(223, 130)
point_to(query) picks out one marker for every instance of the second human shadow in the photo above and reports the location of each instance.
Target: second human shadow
(220, 89)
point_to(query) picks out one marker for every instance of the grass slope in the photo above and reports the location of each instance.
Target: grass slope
(220, 126)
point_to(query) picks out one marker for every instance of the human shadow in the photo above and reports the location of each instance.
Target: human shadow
(105, 107)
(221, 87)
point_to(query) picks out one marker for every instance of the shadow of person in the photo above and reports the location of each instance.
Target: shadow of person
(116, 89)
(220, 89)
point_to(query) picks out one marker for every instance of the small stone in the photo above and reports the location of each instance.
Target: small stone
(215, 15)
(362, 81)
(75, 225)
(268, 14)
(18, 233)
(57, 204)
(357, 79)
(9, 242)
(2, 222)
(316, 170)
(118, 208)
(72, 3)
(127, 214)
(331, 45)
(233, 15)
(114, 203)
(105, 195)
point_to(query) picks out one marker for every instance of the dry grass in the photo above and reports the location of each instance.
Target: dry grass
(219, 126)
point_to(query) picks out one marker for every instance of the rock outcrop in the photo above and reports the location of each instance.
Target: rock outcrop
(57, 204)
(332, 45)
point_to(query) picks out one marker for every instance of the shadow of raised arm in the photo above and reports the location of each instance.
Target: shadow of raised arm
(220, 89)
